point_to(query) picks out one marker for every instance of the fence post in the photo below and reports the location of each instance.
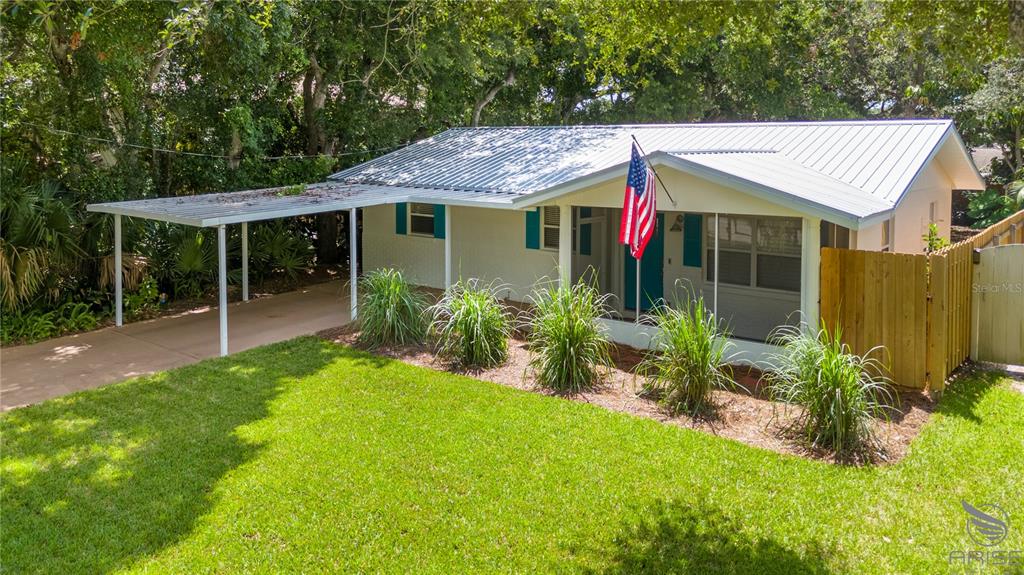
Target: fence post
(938, 328)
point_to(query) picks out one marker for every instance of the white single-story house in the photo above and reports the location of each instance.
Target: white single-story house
(743, 209)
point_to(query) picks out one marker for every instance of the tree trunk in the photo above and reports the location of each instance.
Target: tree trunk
(480, 104)
(314, 94)
(327, 249)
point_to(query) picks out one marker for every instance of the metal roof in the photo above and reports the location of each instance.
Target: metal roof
(867, 165)
(848, 172)
(255, 205)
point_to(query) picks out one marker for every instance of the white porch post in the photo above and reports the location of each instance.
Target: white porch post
(222, 264)
(565, 244)
(353, 264)
(810, 272)
(447, 247)
(714, 308)
(118, 288)
(245, 261)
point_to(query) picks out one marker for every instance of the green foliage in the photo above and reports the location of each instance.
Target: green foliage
(143, 300)
(990, 206)
(932, 240)
(471, 326)
(688, 358)
(39, 247)
(278, 248)
(839, 392)
(568, 347)
(391, 311)
(36, 324)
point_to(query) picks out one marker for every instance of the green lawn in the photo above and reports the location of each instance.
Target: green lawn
(307, 456)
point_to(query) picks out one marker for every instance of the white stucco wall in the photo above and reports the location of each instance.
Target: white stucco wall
(488, 244)
(911, 219)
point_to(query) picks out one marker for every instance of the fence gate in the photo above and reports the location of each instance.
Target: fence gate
(997, 310)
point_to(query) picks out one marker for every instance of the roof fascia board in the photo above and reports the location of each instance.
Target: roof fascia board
(124, 211)
(529, 200)
(950, 131)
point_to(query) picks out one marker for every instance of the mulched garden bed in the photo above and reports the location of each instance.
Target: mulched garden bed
(749, 417)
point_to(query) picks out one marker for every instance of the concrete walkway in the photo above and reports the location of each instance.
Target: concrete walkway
(33, 373)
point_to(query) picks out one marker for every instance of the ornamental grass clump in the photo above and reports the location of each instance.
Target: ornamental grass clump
(471, 326)
(688, 358)
(569, 349)
(838, 391)
(391, 311)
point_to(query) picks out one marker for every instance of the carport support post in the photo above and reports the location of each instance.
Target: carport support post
(222, 264)
(245, 261)
(353, 263)
(565, 244)
(118, 288)
(447, 247)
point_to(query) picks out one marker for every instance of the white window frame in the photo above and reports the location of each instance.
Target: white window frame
(887, 235)
(412, 214)
(710, 225)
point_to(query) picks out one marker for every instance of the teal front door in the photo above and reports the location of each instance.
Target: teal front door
(652, 272)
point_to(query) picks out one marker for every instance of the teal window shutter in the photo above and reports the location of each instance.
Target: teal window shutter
(401, 218)
(533, 229)
(692, 236)
(585, 239)
(439, 221)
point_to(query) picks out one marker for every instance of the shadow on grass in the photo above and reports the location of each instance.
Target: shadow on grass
(100, 479)
(683, 538)
(964, 393)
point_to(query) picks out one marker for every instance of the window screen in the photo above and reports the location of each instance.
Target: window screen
(421, 219)
(550, 224)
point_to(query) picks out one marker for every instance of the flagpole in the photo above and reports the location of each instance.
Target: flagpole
(638, 288)
(651, 166)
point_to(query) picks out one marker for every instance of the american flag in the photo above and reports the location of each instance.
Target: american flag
(638, 206)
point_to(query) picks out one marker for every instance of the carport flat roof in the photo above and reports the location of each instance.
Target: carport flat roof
(271, 203)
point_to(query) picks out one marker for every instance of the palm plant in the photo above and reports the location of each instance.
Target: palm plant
(278, 248)
(39, 246)
(838, 391)
(569, 348)
(391, 311)
(688, 359)
(471, 325)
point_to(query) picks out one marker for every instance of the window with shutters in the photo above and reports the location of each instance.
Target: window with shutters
(755, 252)
(421, 219)
(549, 227)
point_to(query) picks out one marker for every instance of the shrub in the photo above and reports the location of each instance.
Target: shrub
(472, 327)
(688, 359)
(838, 391)
(568, 346)
(391, 311)
(277, 248)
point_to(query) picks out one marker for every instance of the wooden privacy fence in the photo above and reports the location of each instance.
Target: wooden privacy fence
(917, 306)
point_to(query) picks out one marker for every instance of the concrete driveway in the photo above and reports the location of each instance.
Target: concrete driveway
(33, 373)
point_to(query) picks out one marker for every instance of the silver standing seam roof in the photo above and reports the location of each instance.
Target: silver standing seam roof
(849, 172)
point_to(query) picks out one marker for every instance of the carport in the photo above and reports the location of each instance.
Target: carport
(224, 209)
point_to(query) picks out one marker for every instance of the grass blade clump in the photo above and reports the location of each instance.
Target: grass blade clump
(568, 347)
(391, 311)
(838, 391)
(688, 359)
(471, 326)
